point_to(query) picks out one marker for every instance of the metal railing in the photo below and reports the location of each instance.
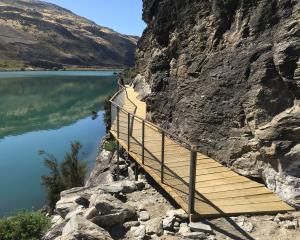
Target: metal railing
(156, 147)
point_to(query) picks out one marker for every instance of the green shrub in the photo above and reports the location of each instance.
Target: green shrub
(110, 146)
(25, 225)
(107, 113)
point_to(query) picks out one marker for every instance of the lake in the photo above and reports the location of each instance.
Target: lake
(46, 111)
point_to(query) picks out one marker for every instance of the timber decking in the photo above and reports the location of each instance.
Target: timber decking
(218, 191)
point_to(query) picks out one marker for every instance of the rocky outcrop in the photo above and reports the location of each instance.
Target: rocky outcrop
(226, 76)
(129, 209)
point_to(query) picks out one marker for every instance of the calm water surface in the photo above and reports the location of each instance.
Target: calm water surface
(46, 111)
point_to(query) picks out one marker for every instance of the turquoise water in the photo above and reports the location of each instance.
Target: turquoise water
(46, 111)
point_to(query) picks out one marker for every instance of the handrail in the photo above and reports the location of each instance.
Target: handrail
(187, 145)
(172, 135)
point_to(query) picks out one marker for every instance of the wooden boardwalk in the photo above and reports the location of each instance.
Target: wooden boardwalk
(219, 191)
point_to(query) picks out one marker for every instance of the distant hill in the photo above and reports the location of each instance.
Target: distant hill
(39, 34)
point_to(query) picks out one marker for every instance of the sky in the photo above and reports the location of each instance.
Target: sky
(124, 16)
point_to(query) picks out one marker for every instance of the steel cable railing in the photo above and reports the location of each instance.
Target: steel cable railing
(155, 147)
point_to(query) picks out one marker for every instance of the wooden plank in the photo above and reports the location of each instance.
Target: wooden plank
(237, 193)
(228, 187)
(263, 198)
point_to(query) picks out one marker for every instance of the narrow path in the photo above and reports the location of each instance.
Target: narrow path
(219, 190)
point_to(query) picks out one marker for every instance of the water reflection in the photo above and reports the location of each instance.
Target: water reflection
(50, 102)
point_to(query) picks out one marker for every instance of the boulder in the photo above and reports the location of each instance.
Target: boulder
(144, 216)
(111, 210)
(101, 173)
(168, 223)
(195, 235)
(65, 205)
(200, 227)
(138, 232)
(83, 201)
(80, 210)
(75, 197)
(290, 224)
(124, 186)
(283, 217)
(178, 213)
(184, 229)
(55, 231)
(80, 228)
(130, 224)
(56, 219)
(91, 213)
(154, 226)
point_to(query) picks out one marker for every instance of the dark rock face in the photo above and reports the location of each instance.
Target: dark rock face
(225, 74)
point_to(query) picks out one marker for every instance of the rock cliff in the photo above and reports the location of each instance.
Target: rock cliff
(225, 74)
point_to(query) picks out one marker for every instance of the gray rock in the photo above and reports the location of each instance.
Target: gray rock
(169, 233)
(112, 211)
(56, 219)
(154, 226)
(176, 224)
(290, 224)
(200, 227)
(80, 210)
(178, 213)
(244, 224)
(144, 216)
(124, 186)
(184, 229)
(168, 223)
(140, 185)
(83, 201)
(91, 213)
(101, 173)
(55, 231)
(139, 232)
(131, 174)
(81, 228)
(65, 205)
(194, 235)
(128, 225)
(283, 217)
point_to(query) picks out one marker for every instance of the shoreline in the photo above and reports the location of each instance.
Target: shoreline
(65, 70)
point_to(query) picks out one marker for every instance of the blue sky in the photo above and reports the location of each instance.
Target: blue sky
(124, 16)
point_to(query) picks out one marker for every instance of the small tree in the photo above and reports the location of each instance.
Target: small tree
(68, 174)
(107, 113)
(53, 183)
(72, 169)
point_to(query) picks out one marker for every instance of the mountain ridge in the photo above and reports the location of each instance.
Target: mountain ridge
(39, 34)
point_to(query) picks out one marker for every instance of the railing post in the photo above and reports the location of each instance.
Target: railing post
(118, 160)
(128, 132)
(193, 163)
(162, 157)
(143, 142)
(136, 172)
(118, 122)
